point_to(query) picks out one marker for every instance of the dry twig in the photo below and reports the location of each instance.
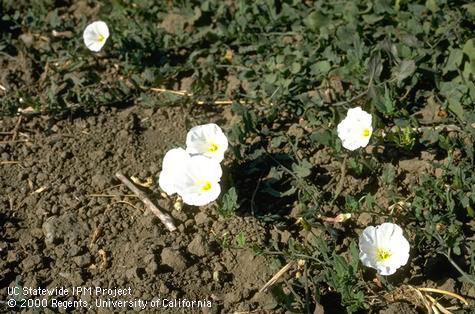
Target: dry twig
(111, 195)
(188, 94)
(453, 295)
(429, 302)
(12, 141)
(9, 162)
(164, 218)
(436, 306)
(128, 203)
(337, 219)
(274, 278)
(95, 235)
(15, 130)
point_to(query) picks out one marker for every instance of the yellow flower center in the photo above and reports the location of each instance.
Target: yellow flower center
(366, 132)
(382, 255)
(100, 38)
(205, 185)
(212, 147)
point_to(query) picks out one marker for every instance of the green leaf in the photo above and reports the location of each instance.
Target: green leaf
(470, 212)
(354, 256)
(372, 18)
(270, 78)
(375, 67)
(320, 68)
(454, 92)
(404, 69)
(322, 137)
(432, 5)
(383, 103)
(229, 203)
(456, 107)
(315, 20)
(388, 102)
(303, 169)
(456, 250)
(277, 141)
(429, 137)
(469, 49)
(468, 72)
(470, 7)
(274, 173)
(295, 68)
(289, 192)
(241, 240)
(454, 61)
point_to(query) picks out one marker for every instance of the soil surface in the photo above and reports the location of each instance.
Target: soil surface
(67, 222)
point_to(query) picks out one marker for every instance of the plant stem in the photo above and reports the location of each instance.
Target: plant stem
(457, 267)
(339, 186)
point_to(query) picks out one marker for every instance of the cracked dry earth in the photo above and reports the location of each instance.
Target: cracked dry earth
(67, 222)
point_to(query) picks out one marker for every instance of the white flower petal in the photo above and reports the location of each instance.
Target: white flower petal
(101, 28)
(166, 181)
(198, 185)
(208, 140)
(95, 35)
(369, 234)
(200, 199)
(355, 130)
(201, 166)
(172, 168)
(367, 260)
(386, 270)
(384, 248)
(175, 158)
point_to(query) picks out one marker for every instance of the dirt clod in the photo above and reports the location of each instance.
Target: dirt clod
(201, 218)
(99, 181)
(50, 231)
(83, 260)
(365, 219)
(198, 246)
(174, 259)
(398, 308)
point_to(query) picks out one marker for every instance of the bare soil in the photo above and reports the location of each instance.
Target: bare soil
(67, 222)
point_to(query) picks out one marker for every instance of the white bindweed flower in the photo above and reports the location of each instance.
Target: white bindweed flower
(208, 140)
(384, 248)
(355, 130)
(172, 169)
(95, 35)
(198, 183)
